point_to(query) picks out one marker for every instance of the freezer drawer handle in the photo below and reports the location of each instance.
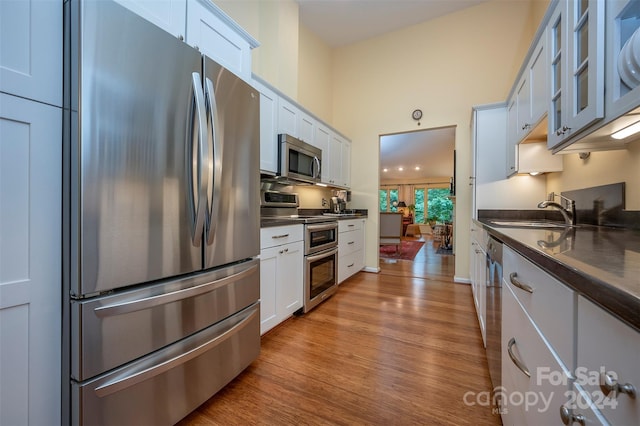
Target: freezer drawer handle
(136, 377)
(162, 299)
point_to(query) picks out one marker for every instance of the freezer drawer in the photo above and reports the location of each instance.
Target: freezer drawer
(165, 386)
(110, 331)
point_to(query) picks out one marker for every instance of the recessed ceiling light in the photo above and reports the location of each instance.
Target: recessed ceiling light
(417, 167)
(627, 131)
(385, 170)
(400, 169)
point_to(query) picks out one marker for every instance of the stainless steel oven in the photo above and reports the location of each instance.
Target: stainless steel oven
(321, 263)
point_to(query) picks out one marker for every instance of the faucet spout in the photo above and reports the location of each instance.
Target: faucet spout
(568, 213)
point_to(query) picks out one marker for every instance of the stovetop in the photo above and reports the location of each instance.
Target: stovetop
(296, 219)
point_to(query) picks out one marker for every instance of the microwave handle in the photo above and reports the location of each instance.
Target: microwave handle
(316, 160)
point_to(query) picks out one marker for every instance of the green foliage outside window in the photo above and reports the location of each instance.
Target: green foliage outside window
(439, 206)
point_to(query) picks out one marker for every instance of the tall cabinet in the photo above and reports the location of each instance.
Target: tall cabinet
(30, 212)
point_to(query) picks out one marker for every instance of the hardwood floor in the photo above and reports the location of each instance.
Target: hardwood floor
(400, 347)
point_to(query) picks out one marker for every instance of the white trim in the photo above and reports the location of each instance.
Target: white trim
(371, 269)
(461, 280)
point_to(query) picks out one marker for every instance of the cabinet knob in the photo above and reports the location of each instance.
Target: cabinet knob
(562, 130)
(568, 418)
(526, 126)
(609, 383)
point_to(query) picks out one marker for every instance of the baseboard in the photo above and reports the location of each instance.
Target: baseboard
(371, 269)
(461, 280)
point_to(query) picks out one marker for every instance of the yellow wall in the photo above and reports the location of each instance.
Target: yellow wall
(444, 67)
(601, 168)
(315, 75)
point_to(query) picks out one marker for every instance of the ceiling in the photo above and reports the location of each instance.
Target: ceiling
(431, 150)
(342, 22)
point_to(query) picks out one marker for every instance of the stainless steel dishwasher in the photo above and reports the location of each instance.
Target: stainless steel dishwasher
(494, 311)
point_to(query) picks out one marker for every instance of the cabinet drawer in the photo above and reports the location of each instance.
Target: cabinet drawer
(536, 399)
(349, 225)
(605, 343)
(278, 235)
(549, 303)
(350, 264)
(349, 242)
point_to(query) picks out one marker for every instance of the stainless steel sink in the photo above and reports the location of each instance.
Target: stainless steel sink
(530, 224)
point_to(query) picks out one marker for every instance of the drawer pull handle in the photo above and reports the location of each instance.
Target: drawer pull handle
(568, 418)
(608, 384)
(351, 242)
(350, 266)
(351, 226)
(515, 360)
(275, 237)
(513, 277)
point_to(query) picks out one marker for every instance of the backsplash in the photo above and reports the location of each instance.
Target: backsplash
(599, 205)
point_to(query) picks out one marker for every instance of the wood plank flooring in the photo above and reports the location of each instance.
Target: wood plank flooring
(401, 347)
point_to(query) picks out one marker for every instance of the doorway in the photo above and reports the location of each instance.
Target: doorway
(417, 179)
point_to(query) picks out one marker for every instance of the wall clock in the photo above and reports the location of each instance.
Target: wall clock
(416, 114)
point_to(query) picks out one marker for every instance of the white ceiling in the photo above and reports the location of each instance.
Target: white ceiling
(342, 22)
(431, 150)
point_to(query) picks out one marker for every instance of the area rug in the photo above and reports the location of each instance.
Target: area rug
(408, 250)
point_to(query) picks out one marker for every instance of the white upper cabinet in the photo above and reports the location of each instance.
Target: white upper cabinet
(623, 90)
(268, 128)
(575, 40)
(31, 50)
(169, 15)
(288, 118)
(306, 128)
(219, 37)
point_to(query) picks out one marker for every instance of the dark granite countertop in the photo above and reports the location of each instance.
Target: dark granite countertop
(601, 263)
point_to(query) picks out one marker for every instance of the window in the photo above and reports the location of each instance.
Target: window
(389, 200)
(419, 203)
(439, 205)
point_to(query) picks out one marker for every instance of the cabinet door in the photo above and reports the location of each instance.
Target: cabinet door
(290, 285)
(214, 37)
(170, 15)
(30, 261)
(605, 345)
(523, 107)
(306, 128)
(576, 45)
(268, 129)
(322, 140)
(31, 50)
(287, 118)
(334, 168)
(268, 282)
(511, 139)
(538, 82)
(346, 164)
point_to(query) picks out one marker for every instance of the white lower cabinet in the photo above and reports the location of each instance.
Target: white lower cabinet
(535, 385)
(609, 361)
(30, 262)
(281, 274)
(478, 273)
(350, 247)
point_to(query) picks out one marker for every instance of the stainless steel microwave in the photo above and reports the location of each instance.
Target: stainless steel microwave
(299, 160)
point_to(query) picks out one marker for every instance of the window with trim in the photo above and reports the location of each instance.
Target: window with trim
(389, 200)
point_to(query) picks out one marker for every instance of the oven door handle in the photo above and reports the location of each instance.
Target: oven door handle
(322, 227)
(321, 255)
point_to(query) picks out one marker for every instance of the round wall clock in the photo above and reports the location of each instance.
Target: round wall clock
(416, 114)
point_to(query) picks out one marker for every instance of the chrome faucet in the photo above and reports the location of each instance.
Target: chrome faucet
(568, 211)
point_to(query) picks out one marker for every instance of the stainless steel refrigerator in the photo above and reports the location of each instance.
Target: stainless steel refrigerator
(161, 221)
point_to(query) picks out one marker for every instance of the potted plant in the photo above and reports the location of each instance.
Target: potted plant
(431, 220)
(412, 209)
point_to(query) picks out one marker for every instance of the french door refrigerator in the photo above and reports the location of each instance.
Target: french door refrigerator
(161, 221)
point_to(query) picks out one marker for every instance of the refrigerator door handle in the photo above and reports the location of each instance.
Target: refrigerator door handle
(216, 173)
(144, 371)
(162, 299)
(199, 156)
